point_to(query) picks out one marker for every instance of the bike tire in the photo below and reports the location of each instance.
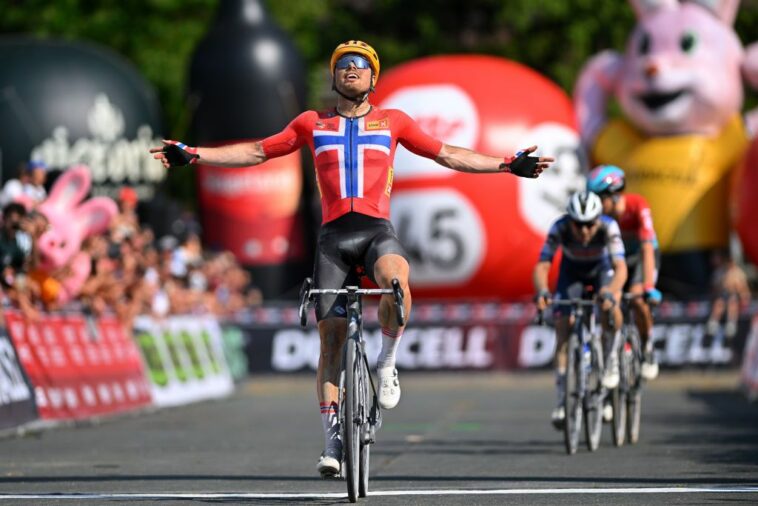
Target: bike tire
(365, 446)
(620, 394)
(593, 400)
(572, 402)
(634, 400)
(352, 430)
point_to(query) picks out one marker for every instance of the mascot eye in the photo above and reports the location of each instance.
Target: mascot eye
(644, 44)
(688, 42)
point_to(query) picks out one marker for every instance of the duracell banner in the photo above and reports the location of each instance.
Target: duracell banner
(69, 102)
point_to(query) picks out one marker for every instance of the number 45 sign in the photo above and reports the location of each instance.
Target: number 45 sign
(442, 234)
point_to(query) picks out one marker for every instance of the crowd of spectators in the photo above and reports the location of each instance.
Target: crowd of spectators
(132, 271)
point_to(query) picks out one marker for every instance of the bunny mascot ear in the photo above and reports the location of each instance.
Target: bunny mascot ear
(94, 216)
(69, 189)
(725, 10)
(643, 8)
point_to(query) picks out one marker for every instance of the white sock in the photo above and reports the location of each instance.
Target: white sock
(330, 421)
(390, 342)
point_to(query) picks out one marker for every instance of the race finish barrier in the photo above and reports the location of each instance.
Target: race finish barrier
(184, 356)
(749, 372)
(480, 336)
(16, 394)
(80, 367)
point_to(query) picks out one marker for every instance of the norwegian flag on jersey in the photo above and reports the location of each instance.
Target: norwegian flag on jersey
(348, 144)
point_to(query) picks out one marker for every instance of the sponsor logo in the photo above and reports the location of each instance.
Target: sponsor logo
(13, 388)
(453, 347)
(109, 155)
(390, 177)
(381, 124)
(456, 124)
(675, 344)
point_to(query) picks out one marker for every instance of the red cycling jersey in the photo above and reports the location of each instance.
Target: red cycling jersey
(353, 156)
(636, 223)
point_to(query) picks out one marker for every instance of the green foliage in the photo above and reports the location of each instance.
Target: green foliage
(554, 37)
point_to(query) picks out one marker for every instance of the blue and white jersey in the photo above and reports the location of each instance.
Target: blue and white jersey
(605, 246)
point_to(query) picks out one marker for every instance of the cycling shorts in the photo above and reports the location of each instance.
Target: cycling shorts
(348, 247)
(636, 274)
(573, 277)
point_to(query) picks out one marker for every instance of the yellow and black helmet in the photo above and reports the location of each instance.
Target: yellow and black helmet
(357, 47)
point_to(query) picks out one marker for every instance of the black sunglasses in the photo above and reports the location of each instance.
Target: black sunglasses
(584, 224)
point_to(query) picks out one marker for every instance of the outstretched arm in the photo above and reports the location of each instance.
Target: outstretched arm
(466, 160)
(242, 154)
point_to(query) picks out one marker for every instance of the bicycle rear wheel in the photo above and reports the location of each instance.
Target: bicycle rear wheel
(594, 398)
(572, 402)
(620, 394)
(634, 400)
(352, 429)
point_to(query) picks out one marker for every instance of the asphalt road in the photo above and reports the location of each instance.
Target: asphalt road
(454, 439)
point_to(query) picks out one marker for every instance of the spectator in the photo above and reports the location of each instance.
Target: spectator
(731, 291)
(126, 223)
(14, 188)
(15, 254)
(35, 188)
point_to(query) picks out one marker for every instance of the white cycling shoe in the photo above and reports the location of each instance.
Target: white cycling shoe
(611, 375)
(389, 387)
(649, 369)
(329, 463)
(607, 412)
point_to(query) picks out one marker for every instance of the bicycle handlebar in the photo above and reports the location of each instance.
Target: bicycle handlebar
(307, 293)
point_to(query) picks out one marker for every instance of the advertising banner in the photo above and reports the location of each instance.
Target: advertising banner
(185, 359)
(471, 336)
(478, 235)
(79, 366)
(16, 394)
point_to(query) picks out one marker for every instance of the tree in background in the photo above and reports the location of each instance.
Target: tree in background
(555, 37)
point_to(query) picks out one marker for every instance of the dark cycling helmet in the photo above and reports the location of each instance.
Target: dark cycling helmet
(357, 47)
(605, 179)
(584, 206)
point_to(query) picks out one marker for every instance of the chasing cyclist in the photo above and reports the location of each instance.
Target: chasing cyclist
(593, 255)
(353, 146)
(632, 213)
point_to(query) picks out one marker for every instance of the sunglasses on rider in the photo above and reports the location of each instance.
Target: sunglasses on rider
(359, 61)
(613, 196)
(584, 224)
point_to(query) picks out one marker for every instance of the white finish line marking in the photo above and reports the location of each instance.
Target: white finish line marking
(386, 493)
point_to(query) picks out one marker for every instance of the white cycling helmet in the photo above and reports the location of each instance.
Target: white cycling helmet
(584, 206)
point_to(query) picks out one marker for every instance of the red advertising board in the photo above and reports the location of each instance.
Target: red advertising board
(79, 367)
(253, 211)
(478, 236)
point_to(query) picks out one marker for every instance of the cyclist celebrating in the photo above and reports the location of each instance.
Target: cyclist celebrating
(593, 255)
(632, 213)
(353, 146)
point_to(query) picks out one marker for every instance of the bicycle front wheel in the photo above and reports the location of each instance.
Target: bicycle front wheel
(594, 397)
(634, 400)
(365, 452)
(620, 394)
(572, 402)
(352, 429)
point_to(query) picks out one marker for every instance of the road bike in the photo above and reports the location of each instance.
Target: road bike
(627, 397)
(360, 416)
(584, 392)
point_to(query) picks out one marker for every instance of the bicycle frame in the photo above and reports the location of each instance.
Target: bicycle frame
(359, 417)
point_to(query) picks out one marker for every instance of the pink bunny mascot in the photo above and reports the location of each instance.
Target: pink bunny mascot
(679, 85)
(70, 224)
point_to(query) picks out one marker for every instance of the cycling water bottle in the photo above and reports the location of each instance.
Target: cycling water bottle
(586, 356)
